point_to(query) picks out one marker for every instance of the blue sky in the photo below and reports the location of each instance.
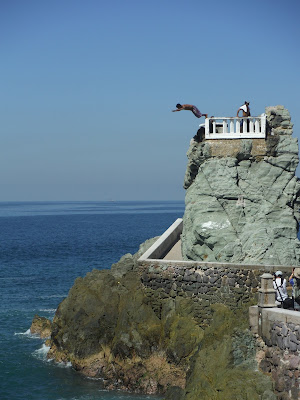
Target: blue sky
(87, 89)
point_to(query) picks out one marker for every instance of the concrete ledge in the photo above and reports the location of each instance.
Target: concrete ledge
(164, 244)
(192, 264)
(271, 315)
(262, 319)
(156, 253)
(221, 136)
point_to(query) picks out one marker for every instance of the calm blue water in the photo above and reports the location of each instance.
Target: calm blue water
(43, 248)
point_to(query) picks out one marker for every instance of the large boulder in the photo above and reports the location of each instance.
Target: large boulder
(242, 199)
(41, 327)
(109, 327)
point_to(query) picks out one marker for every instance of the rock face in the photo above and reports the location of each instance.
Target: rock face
(41, 326)
(138, 339)
(242, 199)
(107, 327)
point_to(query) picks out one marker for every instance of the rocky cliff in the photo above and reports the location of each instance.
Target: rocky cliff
(138, 333)
(142, 340)
(107, 327)
(242, 198)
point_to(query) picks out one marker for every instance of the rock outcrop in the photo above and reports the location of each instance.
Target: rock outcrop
(242, 199)
(107, 327)
(41, 326)
(138, 339)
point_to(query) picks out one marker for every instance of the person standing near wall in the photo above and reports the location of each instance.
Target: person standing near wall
(296, 287)
(246, 113)
(245, 108)
(279, 285)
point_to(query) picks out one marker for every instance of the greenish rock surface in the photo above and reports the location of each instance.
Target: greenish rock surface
(224, 367)
(242, 199)
(108, 327)
(142, 340)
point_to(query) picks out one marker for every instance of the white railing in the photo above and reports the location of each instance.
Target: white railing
(235, 128)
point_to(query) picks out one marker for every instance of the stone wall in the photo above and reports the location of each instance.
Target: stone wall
(278, 347)
(281, 359)
(286, 336)
(205, 284)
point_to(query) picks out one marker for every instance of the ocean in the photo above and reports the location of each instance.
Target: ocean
(44, 247)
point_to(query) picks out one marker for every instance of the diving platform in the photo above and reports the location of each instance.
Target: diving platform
(235, 128)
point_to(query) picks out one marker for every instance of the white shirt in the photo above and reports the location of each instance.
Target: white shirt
(244, 108)
(281, 292)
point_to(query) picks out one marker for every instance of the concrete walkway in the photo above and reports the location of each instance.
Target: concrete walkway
(175, 252)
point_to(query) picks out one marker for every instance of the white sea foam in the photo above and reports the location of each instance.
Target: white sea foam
(42, 352)
(51, 310)
(53, 296)
(27, 334)
(23, 333)
(63, 364)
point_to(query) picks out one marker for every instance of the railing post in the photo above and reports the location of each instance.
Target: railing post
(263, 123)
(266, 299)
(251, 126)
(266, 292)
(245, 125)
(207, 128)
(214, 126)
(231, 126)
(224, 126)
(237, 125)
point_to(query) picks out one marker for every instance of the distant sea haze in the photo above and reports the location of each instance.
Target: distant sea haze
(44, 247)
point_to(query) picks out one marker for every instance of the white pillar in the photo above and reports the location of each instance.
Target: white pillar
(263, 123)
(237, 125)
(251, 126)
(207, 128)
(214, 126)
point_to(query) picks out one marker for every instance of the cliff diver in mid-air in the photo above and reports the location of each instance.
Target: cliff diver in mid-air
(189, 107)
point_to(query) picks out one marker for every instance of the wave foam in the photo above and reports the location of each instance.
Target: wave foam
(27, 334)
(61, 364)
(42, 352)
(53, 296)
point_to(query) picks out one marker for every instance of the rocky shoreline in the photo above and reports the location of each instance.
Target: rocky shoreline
(111, 327)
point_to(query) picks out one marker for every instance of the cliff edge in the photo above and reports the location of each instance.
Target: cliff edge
(242, 198)
(141, 340)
